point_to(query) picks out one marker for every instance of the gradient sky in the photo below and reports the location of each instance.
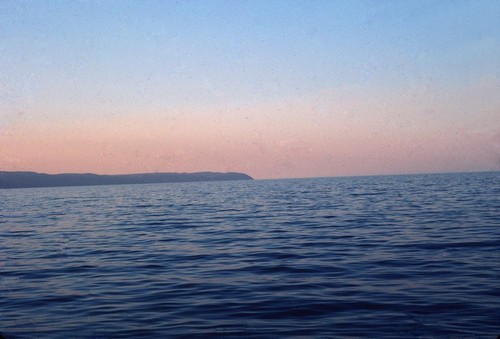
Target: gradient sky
(275, 89)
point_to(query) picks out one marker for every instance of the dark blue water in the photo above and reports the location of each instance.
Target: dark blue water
(393, 256)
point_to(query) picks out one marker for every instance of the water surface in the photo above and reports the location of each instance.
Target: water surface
(390, 256)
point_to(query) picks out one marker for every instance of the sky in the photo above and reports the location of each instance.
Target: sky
(275, 89)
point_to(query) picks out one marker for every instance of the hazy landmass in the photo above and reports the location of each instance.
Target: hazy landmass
(33, 179)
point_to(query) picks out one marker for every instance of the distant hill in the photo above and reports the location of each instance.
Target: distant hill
(33, 179)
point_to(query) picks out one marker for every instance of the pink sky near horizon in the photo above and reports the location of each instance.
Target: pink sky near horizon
(349, 131)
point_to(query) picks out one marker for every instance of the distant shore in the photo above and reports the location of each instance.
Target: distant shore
(34, 179)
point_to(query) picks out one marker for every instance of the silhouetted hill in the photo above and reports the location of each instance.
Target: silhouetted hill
(33, 179)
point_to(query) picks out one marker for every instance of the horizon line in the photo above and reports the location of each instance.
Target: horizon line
(269, 178)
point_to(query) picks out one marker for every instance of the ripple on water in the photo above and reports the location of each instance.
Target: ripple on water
(401, 256)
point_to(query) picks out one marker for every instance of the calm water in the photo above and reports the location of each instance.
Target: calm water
(395, 256)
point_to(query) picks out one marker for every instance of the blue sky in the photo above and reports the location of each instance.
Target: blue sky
(97, 60)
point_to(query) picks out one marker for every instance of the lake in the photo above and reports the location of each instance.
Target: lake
(381, 256)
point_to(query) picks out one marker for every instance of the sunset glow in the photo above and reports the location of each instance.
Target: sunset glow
(272, 89)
